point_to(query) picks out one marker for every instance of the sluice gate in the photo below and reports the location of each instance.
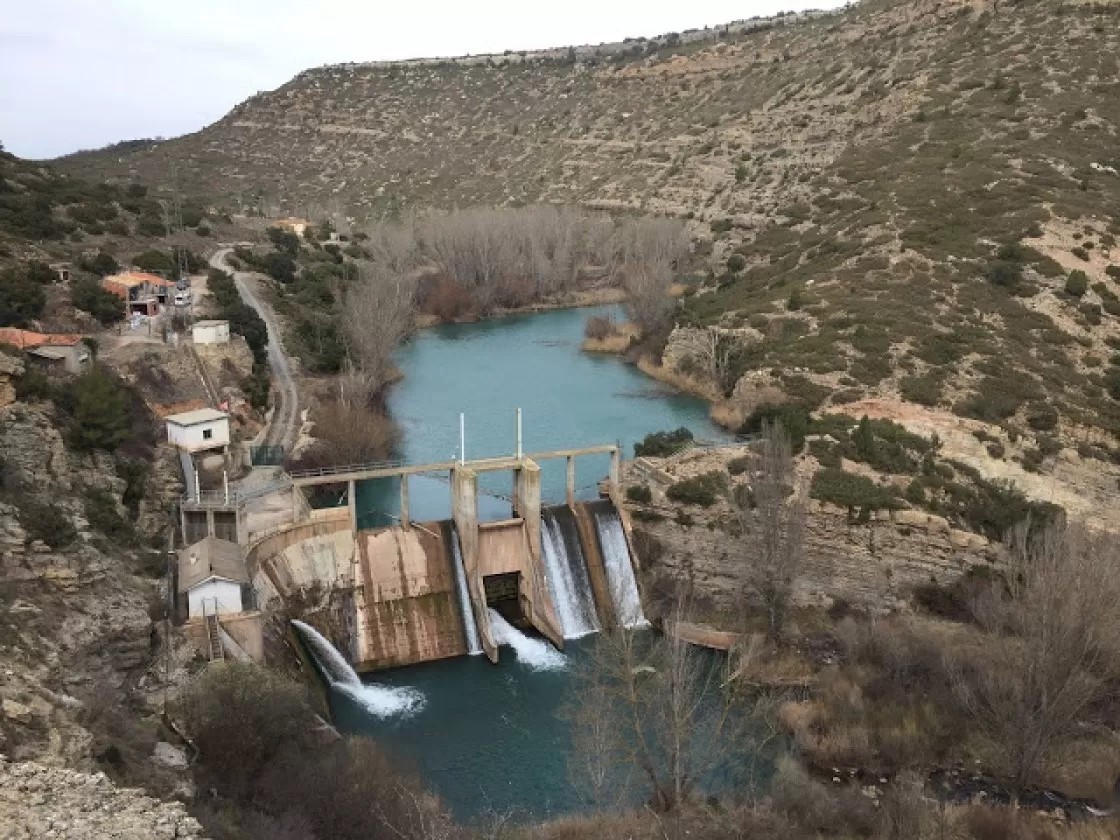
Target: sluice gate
(416, 592)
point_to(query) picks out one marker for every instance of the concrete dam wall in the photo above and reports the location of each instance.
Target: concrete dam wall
(424, 591)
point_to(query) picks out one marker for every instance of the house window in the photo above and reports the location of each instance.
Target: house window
(207, 434)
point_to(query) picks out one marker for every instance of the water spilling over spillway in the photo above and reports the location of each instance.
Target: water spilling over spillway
(379, 701)
(620, 572)
(535, 654)
(568, 582)
(470, 627)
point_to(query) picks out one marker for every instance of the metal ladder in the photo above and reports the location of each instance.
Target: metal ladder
(213, 632)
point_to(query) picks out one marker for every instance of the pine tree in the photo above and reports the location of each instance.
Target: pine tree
(100, 417)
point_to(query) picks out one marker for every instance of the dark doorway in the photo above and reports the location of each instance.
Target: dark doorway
(503, 593)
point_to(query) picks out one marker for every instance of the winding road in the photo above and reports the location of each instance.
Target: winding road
(284, 426)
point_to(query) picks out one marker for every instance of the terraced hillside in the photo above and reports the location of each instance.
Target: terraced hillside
(890, 199)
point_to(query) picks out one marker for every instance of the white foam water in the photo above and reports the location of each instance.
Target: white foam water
(570, 595)
(378, 700)
(535, 654)
(620, 574)
(470, 627)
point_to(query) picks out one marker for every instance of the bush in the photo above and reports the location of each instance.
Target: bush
(279, 266)
(89, 296)
(100, 417)
(21, 298)
(1077, 283)
(1080, 253)
(702, 490)
(1113, 271)
(283, 240)
(924, 390)
(154, 261)
(1042, 417)
(663, 444)
(46, 522)
(738, 466)
(103, 516)
(599, 327)
(736, 263)
(857, 493)
(793, 418)
(102, 264)
(639, 493)
(1005, 274)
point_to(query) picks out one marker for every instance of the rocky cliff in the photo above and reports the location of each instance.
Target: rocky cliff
(76, 637)
(38, 801)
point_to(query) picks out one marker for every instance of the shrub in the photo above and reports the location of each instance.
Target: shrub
(599, 327)
(736, 263)
(103, 516)
(89, 296)
(279, 266)
(283, 240)
(995, 449)
(46, 522)
(793, 418)
(1042, 417)
(102, 264)
(1080, 253)
(639, 493)
(857, 493)
(702, 490)
(154, 261)
(924, 390)
(663, 444)
(1113, 271)
(1005, 274)
(21, 298)
(738, 466)
(1077, 283)
(100, 417)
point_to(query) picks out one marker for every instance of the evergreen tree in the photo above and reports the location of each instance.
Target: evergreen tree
(100, 418)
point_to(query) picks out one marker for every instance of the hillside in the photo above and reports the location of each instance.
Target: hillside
(889, 200)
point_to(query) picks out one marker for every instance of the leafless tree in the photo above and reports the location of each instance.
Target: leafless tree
(772, 522)
(377, 315)
(647, 293)
(651, 712)
(1055, 619)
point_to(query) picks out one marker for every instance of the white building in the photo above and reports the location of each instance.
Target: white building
(198, 431)
(211, 574)
(210, 332)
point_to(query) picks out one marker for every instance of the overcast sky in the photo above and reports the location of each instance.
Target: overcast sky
(78, 74)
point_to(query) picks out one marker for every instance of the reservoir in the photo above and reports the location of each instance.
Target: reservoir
(492, 738)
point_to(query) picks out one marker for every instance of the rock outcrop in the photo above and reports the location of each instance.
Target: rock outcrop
(42, 802)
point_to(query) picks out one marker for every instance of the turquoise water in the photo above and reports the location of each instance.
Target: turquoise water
(489, 738)
(487, 370)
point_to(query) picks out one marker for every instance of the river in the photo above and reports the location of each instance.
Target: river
(489, 738)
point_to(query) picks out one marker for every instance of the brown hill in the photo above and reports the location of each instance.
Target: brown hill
(906, 185)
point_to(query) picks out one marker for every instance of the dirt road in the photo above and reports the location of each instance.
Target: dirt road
(285, 423)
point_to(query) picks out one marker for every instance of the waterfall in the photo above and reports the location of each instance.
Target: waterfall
(535, 654)
(378, 701)
(568, 582)
(470, 627)
(620, 574)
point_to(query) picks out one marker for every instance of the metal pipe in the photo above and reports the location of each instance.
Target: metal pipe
(519, 451)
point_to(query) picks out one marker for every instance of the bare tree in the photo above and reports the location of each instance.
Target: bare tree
(1057, 618)
(772, 521)
(377, 315)
(650, 712)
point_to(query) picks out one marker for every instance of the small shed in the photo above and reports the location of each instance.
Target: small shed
(199, 430)
(212, 574)
(210, 332)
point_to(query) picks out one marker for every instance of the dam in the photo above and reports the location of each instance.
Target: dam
(415, 592)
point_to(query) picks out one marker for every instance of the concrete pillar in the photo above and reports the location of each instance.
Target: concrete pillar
(405, 521)
(571, 486)
(616, 471)
(528, 496)
(464, 513)
(209, 522)
(297, 506)
(352, 504)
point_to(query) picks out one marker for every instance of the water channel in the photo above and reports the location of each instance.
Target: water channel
(489, 738)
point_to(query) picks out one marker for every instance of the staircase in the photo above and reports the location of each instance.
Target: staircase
(213, 634)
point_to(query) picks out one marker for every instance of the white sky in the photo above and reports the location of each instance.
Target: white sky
(80, 74)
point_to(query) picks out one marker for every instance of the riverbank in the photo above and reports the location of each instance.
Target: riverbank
(577, 300)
